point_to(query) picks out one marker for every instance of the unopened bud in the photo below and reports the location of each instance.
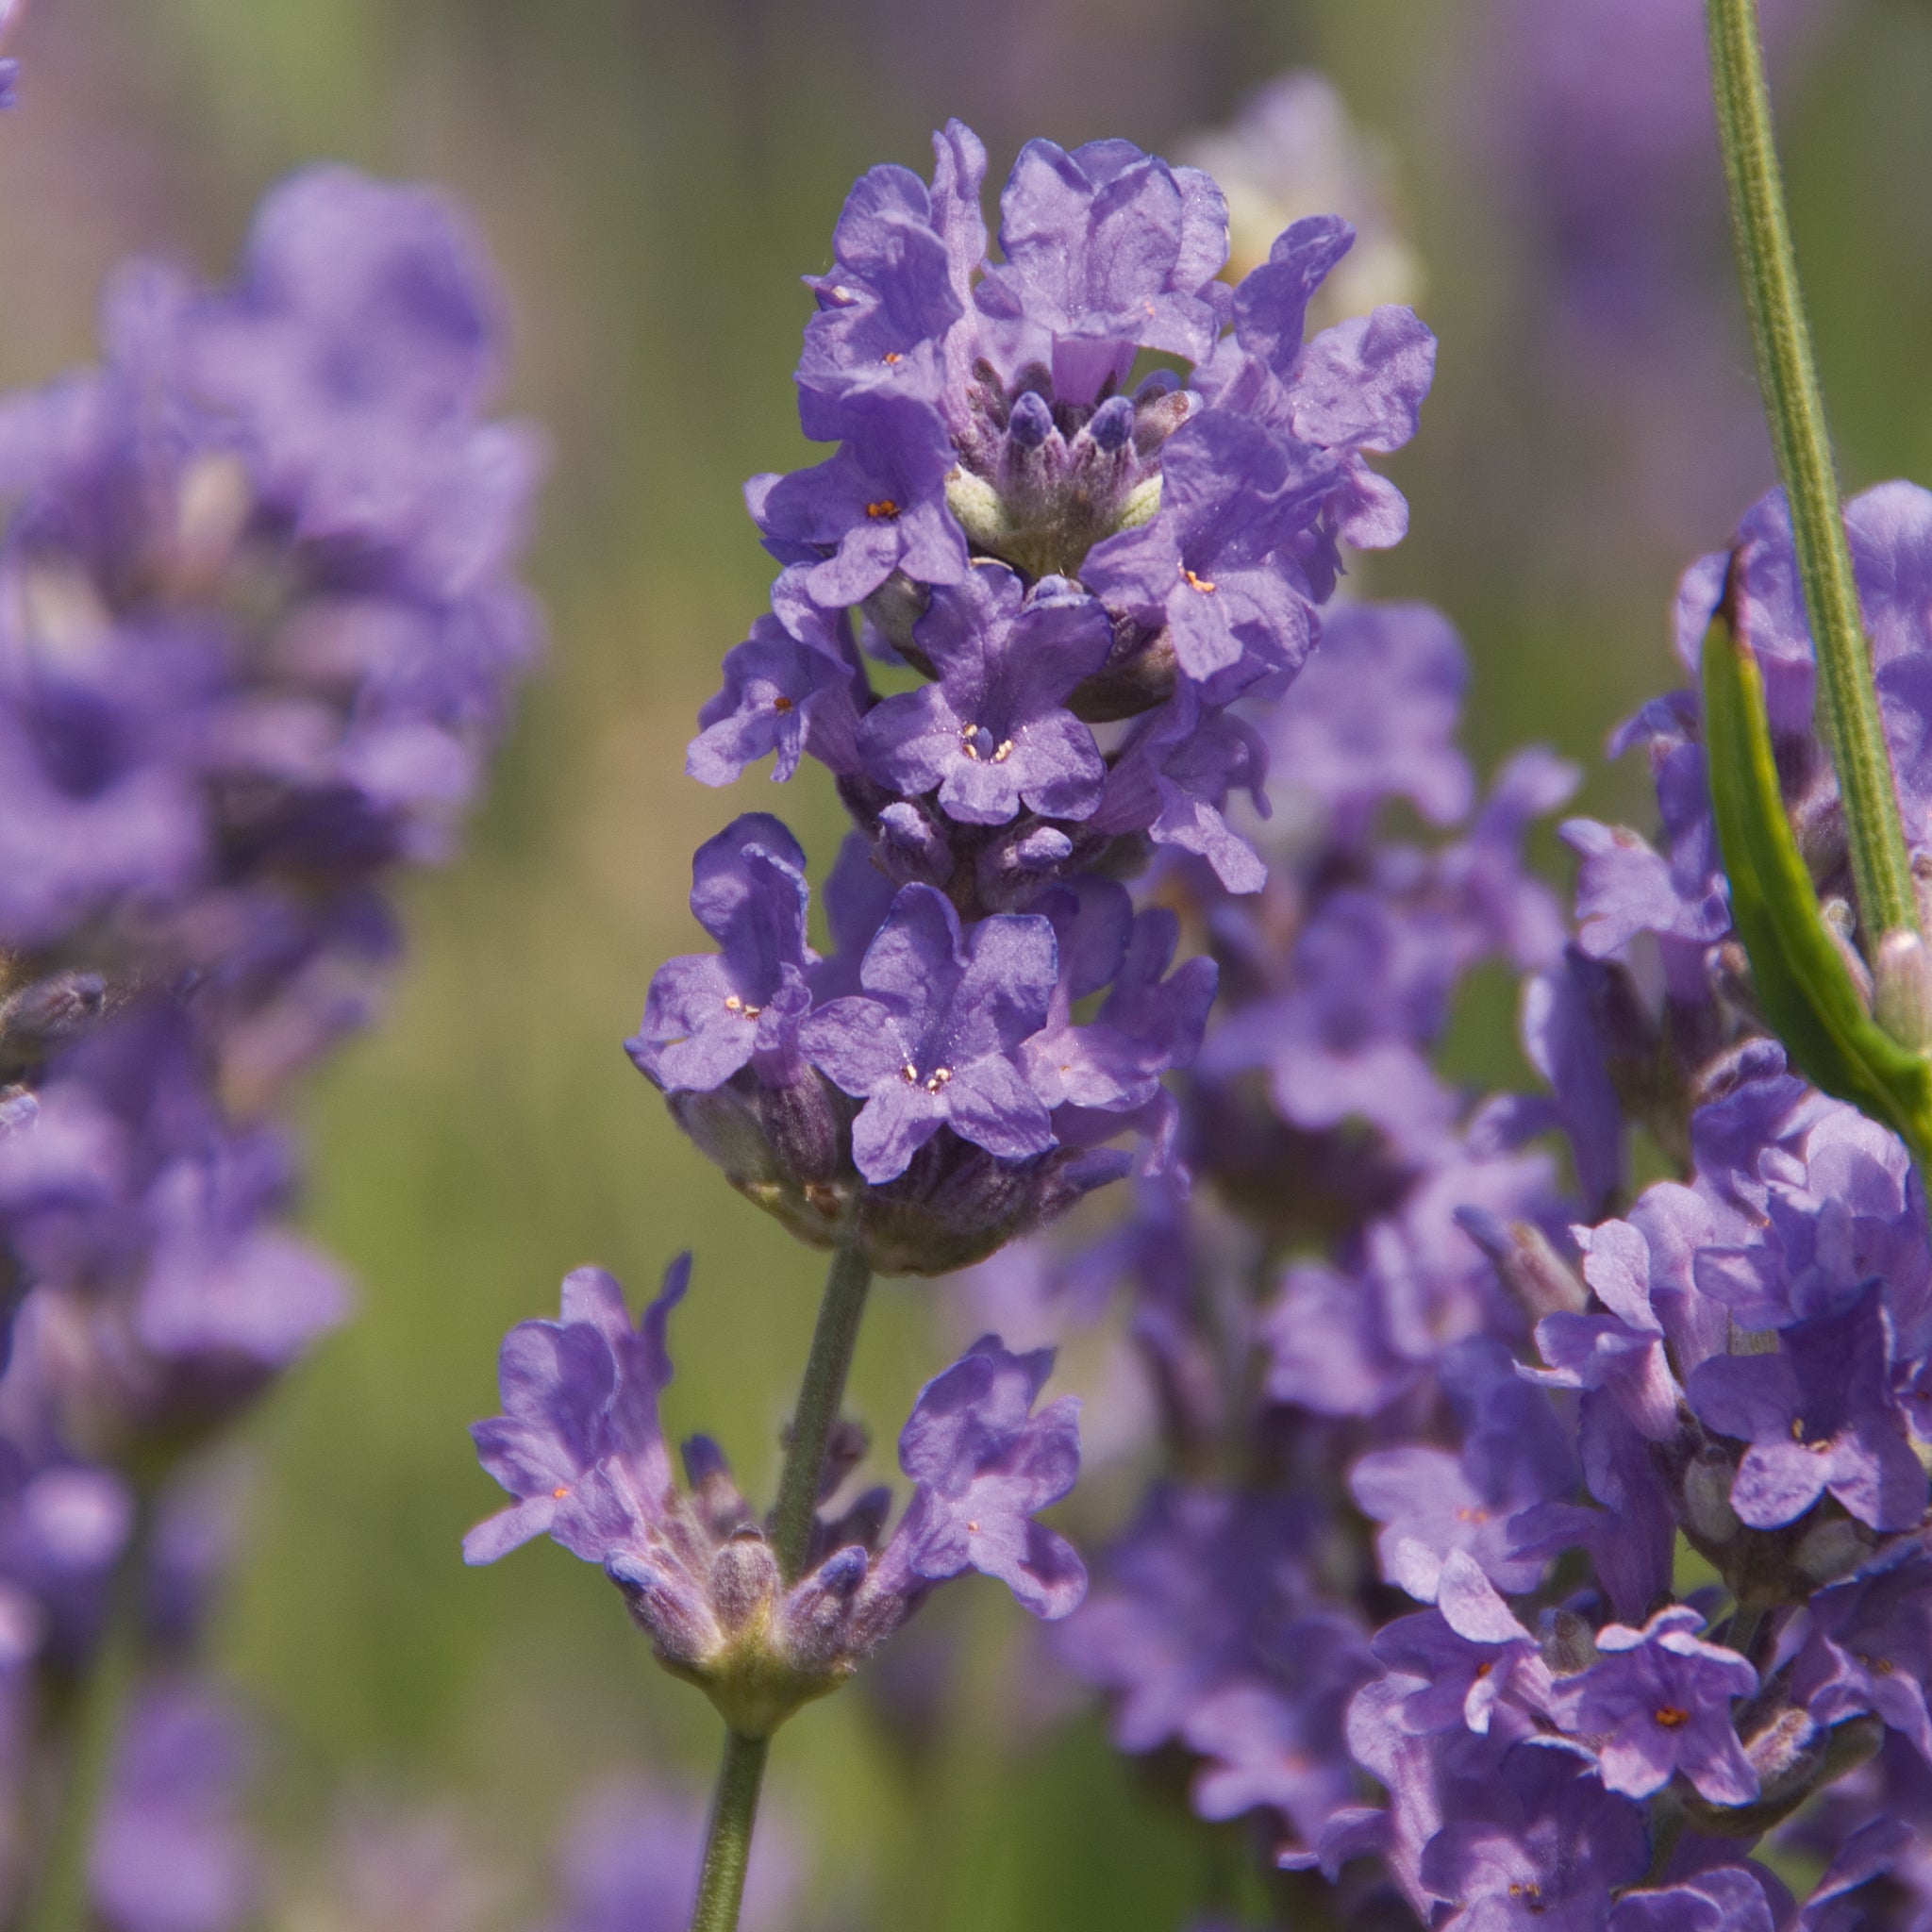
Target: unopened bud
(1841, 923)
(744, 1583)
(1833, 1548)
(1708, 1512)
(1540, 1280)
(1568, 1643)
(1902, 990)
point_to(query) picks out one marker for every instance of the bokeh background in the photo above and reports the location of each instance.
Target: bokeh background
(653, 180)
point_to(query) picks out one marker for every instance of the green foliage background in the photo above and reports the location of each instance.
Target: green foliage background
(653, 178)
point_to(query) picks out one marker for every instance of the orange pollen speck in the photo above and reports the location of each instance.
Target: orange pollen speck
(1482, 1671)
(558, 1496)
(733, 1004)
(891, 356)
(1005, 751)
(1207, 586)
(973, 1529)
(882, 511)
(1670, 1719)
(1467, 1514)
(781, 704)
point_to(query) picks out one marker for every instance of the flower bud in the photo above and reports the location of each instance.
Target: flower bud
(1901, 989)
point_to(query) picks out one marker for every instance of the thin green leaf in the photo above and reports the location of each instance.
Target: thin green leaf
(1803, 981)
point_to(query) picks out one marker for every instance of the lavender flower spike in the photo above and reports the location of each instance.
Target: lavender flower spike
(931, 1042)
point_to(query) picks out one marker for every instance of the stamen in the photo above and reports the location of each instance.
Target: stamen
(1207, 586)
(781, 703)
(939, 1076)
(1671, 1718)
(884, 510)
(910, 1073)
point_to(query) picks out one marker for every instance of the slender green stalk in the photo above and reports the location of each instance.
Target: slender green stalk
(1788, 375)
(734, 1806)
(727, 1843)
(59, 1899)
(819, 1396)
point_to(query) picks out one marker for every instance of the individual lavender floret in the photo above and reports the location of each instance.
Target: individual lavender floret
(788, 687)
(1539, 1846)
(581, 1448)
(1659, 1699)
(931, 1041)
(1470, 1655)
(983, 1465)
(710, 1014)
(994, 731)
(1820, 1416)
(1866, 1645)
(1210, 568)
(879, 505)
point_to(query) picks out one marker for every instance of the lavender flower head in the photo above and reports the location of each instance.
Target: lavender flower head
(580, 1447)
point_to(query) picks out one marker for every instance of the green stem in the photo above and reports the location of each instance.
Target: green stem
(727, 1843)
(819, 1396)
(735, 1807)
(59, 1899)
(1788, 375)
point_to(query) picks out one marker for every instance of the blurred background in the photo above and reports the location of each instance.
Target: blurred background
(653, 180)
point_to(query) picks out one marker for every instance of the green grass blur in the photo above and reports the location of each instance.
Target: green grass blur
(653, 180)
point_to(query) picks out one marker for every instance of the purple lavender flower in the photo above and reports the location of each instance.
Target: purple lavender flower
(710, 1014)
(1867, 1646)
(1542, 1847)
(788, 687)
(1173, 779)
(1373, 716)
(1730, 1898)
(878, 506)
(1210, 566)
(1659, 1699)
(983, 1466)
(931, 1041)
(171, 1854)
(581, 1448)
(994, 731)
(578, 1444)
(1107, 250)
(1820, 1416)
(1469, 1654)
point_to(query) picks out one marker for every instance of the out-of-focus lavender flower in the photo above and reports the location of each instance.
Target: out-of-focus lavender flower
(1293, 150)
(171, 1854)
(10, 70)
(580, 1447)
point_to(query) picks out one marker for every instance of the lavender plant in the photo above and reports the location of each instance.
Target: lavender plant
(1088, 572)
(1530, 1550)
(259, 631)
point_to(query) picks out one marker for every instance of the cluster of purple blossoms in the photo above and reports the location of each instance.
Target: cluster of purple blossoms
(580, 1447)
(1085, 573)
(258, 632)
(1082, 574)
(1530, 1554)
